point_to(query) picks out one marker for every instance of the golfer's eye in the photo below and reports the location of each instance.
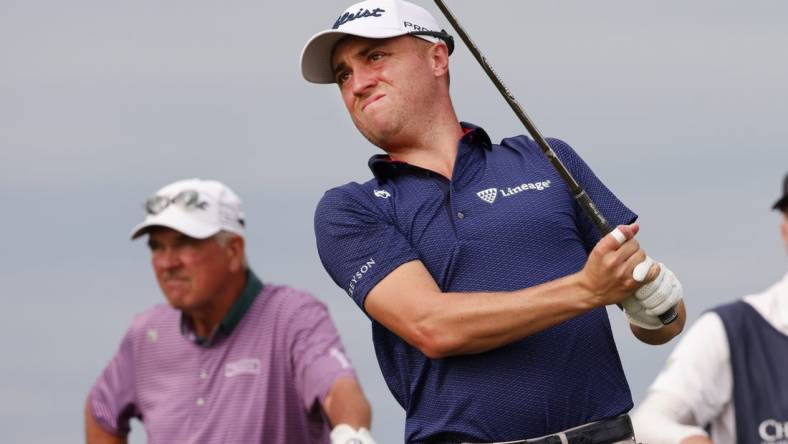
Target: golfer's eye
(342, 77)
(187, 242)
(375, 56)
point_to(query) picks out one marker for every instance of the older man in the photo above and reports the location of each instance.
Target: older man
(486, 283)
(228, 359)
(727, 380)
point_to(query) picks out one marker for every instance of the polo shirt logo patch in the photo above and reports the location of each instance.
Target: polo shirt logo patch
(489, 195)
(248, 366)
(383, 194)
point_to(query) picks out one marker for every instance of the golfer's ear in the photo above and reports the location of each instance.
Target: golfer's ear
(439, 56)
(236, 253)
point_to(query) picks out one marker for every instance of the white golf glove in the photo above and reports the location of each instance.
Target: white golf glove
(344, 434)
(659, 295)
(654, 298)
(636, 314)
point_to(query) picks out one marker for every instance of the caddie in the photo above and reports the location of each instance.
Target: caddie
(485, 283)
(229, 359)
(726, 380)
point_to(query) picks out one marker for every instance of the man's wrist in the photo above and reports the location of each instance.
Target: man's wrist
(345, 434)
(583, 297)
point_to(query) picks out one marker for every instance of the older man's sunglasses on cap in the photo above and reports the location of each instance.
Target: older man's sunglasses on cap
(185, 199)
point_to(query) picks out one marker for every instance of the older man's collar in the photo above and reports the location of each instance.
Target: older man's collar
(384, 167)
(237, 311)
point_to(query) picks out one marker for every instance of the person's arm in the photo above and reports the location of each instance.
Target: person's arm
(663, 418)
(94, 434)
(323, 373)
(348, 412)
(698, 439)
(694, 388)
(346, 404)
(111, 401)
(617, 213)
(409, 302)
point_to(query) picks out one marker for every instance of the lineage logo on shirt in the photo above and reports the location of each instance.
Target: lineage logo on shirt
(489, 195)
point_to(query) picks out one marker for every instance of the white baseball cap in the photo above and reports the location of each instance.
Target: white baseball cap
(377, 19)
(195, 207)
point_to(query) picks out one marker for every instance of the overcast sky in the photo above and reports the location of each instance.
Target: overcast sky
(679, 106)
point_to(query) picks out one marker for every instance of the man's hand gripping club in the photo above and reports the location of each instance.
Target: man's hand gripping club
(656, 296)
(618, 267)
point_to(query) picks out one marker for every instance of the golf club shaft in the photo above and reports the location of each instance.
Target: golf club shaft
(577, 191)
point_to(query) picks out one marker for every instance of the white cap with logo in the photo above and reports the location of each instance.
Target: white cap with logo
(377, 19)
(195, 207)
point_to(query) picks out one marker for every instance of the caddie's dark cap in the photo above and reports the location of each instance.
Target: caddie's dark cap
(782, 204)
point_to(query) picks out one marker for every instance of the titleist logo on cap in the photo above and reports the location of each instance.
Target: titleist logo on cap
(362, 13)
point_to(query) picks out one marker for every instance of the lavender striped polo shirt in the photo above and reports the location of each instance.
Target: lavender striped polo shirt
(261, 378)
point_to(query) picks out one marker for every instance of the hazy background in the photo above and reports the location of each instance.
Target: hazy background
(679, 106)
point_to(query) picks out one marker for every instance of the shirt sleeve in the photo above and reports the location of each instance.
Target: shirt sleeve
(317, 354)
(358, 244)
(608, 204)
(692, 390)
(112, 397)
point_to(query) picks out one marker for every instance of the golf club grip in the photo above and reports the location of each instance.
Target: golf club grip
(577, 191)
(585, 201)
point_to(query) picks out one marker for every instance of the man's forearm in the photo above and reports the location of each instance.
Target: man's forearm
(663, 418)
(449, 324)
(409, 302)
(470, 323)
(697, 439)
(346, 404)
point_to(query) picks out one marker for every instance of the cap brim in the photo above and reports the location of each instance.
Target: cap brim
(169, 219)
(316, 55)
(781, 204)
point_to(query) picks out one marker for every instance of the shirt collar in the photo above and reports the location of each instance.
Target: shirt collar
(251, 290)
(781, 300)
(384, 167)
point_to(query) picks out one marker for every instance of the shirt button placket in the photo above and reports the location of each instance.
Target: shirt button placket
(203, 377)
(204, 371)
(452, 193)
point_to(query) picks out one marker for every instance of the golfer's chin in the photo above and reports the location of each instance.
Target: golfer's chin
(178, 299)
(381, 134)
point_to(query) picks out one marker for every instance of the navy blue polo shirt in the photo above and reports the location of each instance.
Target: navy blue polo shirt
(505, 221)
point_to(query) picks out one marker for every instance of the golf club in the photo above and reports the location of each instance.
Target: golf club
(577, 191)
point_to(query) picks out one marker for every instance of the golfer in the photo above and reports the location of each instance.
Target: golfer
(485, 282)
(229, 359)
